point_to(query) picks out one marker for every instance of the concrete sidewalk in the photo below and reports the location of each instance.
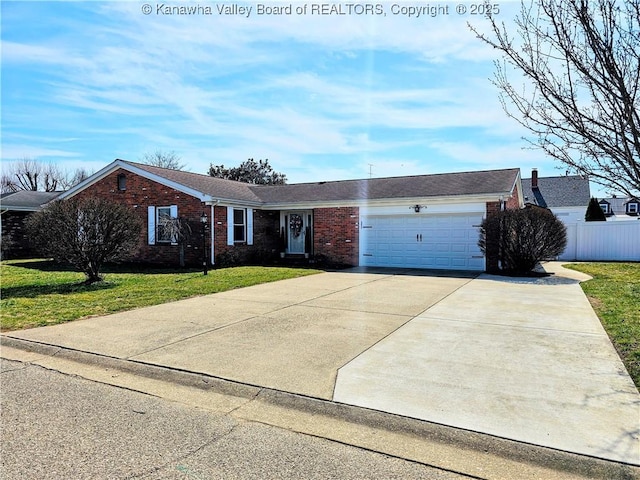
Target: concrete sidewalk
(488, 354)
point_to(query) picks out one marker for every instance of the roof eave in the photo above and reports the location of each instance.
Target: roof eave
(121, 164)
(233, 202)
(469, 198)
(17, 208)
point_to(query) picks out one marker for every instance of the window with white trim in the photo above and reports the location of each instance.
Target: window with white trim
(160, 226)
(163, 230)
(605, 208)
(239, 225)
(632, 208)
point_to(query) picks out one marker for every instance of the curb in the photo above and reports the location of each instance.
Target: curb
(465, 440)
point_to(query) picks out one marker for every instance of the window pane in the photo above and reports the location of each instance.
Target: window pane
(238, 217)
(164, 233)
(238, 233)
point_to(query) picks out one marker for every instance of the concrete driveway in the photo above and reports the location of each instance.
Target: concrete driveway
(522, 359)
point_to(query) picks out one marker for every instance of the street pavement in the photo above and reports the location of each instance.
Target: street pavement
(497, 356)
(56, 426)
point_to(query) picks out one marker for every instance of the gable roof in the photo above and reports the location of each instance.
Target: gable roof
(207, 188)
(567, 191)
(26, 200)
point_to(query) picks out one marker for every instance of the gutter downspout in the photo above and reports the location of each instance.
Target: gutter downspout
(212, 205)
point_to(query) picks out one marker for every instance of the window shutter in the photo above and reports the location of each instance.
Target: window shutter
(229, 225)
(173, 211)
(249, 226)
(151, 225)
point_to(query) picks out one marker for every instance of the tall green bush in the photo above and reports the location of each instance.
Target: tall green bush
(522, 238)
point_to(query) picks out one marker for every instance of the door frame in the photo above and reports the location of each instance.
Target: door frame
(307, 221)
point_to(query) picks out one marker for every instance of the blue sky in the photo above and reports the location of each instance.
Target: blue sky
(323, 97)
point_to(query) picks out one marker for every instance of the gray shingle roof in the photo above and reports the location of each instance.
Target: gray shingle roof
(216, 187)
(27, 200)
(567, 191)
(447, 184)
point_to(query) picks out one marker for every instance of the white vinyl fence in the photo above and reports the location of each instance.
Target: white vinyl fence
(603, 241)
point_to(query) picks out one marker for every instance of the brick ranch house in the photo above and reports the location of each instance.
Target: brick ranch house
(422, 221)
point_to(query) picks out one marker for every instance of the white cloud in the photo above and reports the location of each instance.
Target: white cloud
(220, 89)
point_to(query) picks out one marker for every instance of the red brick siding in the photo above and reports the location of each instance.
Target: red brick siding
(492, 264)
(337, 233)
(15, 242)
(514, 201)
(139, 194)
(265, 238)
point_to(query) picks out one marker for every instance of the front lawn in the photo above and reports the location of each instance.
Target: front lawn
(614, 294)
(38, 292)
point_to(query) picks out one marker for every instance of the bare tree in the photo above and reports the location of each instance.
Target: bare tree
(162, 159)
(71, 179)
(85, 233)
(582, 60)
(31, 174)
(177, 229)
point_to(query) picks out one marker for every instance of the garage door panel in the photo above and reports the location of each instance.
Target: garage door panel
(458, 248)
(422, 241)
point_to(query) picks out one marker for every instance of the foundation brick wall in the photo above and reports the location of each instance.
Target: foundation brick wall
(337, 234)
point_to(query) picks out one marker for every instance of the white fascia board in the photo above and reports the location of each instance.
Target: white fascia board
(518, 183)
(120, 164)
(230, 202)
(10, 208)
(453, 199)
(90, 180)
(427, 209)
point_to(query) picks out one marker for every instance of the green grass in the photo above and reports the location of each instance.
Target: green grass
(614, 294)
(38, 292)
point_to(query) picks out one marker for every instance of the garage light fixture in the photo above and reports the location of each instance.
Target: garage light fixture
(417, 208)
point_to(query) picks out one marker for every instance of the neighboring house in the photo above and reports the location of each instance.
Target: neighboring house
(14, 209)
(567, 196)
(620, 208)
(425, 221)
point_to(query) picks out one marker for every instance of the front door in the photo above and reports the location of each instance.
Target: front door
(296, 225)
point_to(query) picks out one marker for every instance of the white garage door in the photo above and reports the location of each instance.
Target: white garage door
(421, 241)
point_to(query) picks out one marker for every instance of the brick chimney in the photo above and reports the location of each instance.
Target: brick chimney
(534, 178)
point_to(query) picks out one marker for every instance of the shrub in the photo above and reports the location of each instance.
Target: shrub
(594, 212)
(228, 258)
(84, 233)
(522, 238)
